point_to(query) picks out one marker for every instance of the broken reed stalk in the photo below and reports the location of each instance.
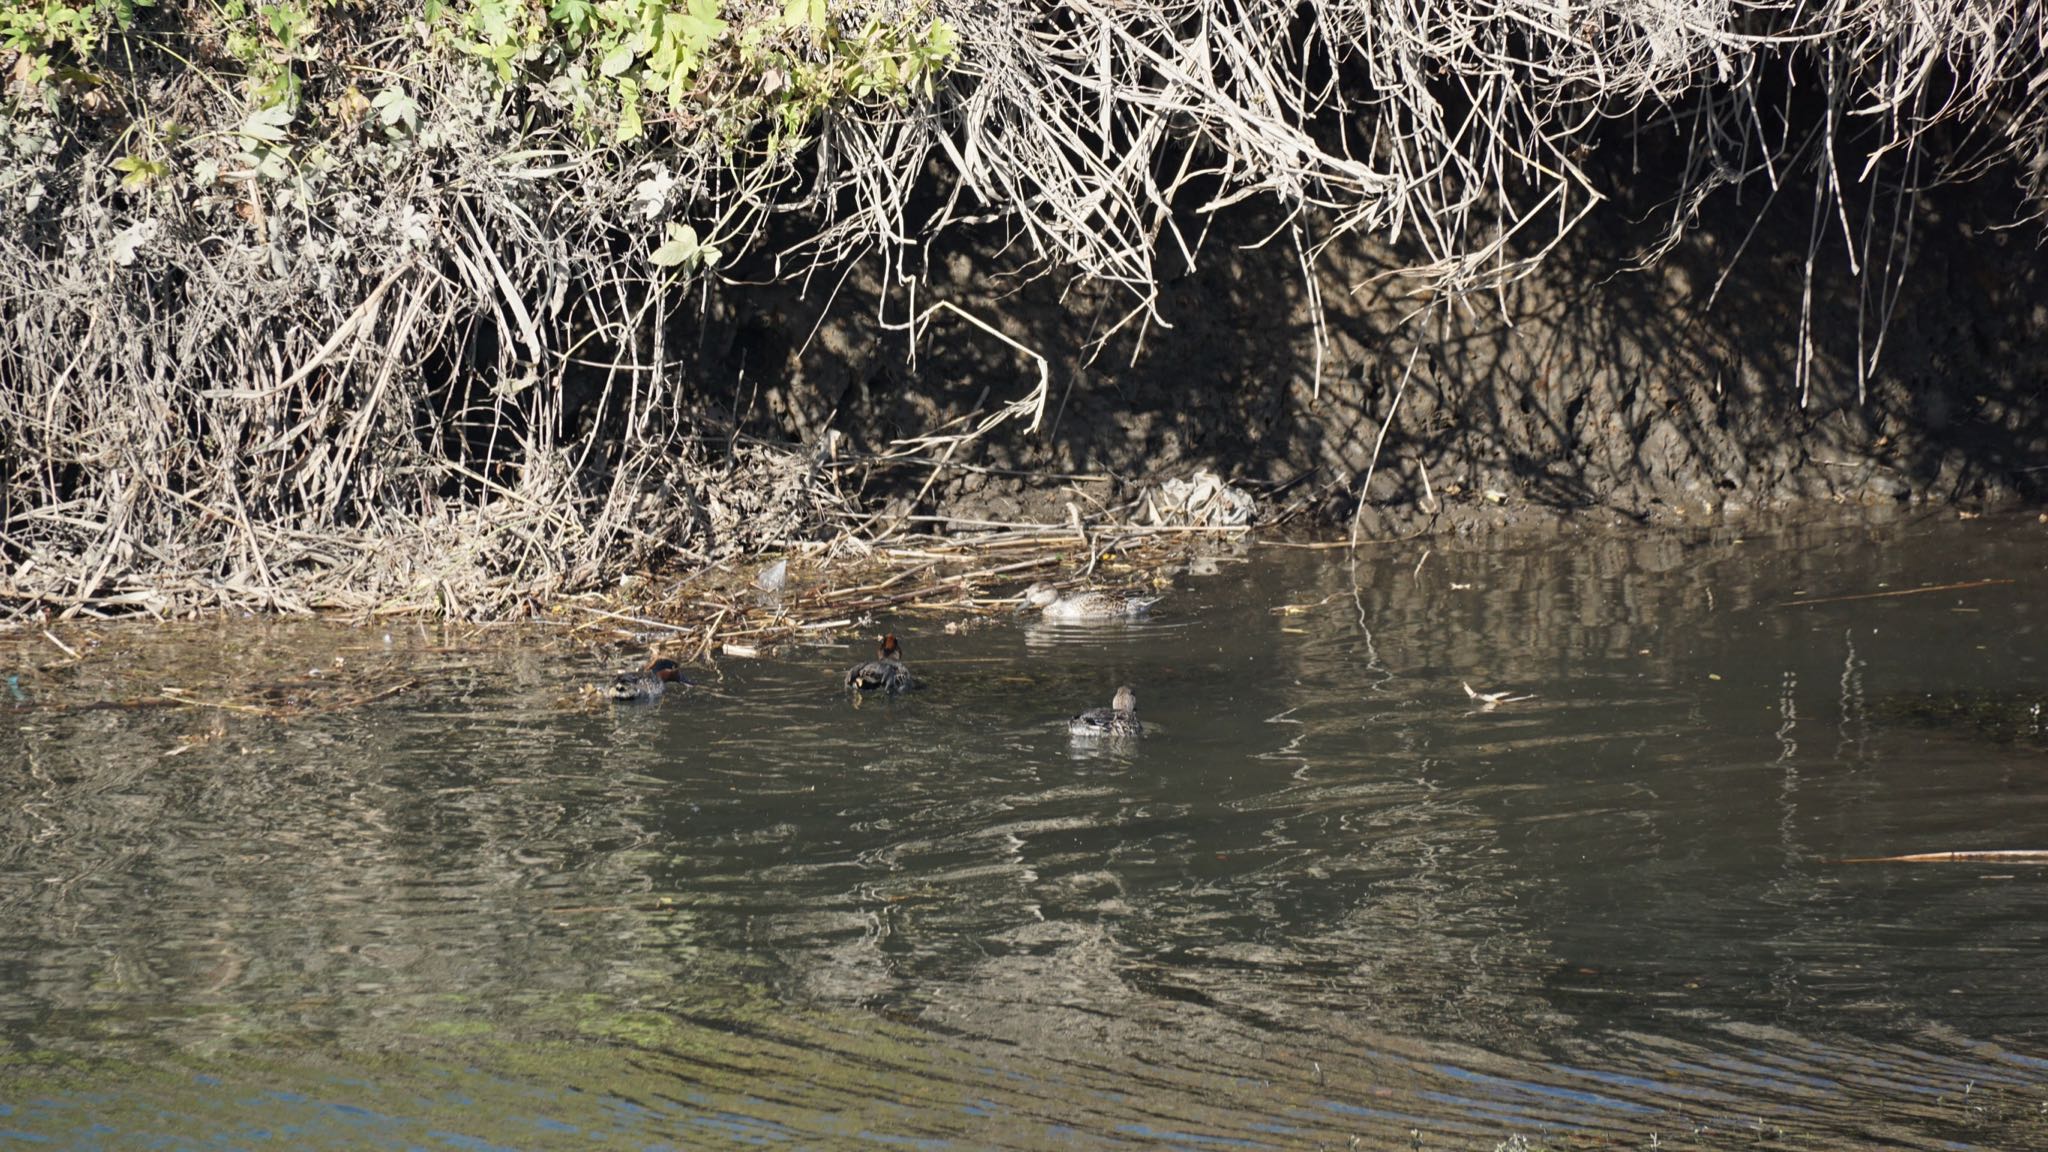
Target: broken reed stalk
(1967, 856)
(1962, 586)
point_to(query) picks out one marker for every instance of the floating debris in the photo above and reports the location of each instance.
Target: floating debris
(1488, 701)
(1201, 501)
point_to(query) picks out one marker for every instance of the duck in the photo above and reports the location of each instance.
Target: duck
(885, 673)
(648, 683)
(1119, 719)
(1088, 604)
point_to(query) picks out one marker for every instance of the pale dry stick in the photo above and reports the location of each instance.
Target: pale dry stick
(1004, 569)
(1372, 464)
(1962, 586)
(1130, 530)
(1026, 163)
(1964, 856)
(177, 696)
(362, 313)
(936, 468)
(891, 582)
(640, 620)
(344, 461)
(711, 634)
(910, 448)
(1033, 402)
(256, 550)
(479, 284)
(1023, 526)
(94, 567)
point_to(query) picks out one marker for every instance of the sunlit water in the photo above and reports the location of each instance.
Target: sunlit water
(1328, 898)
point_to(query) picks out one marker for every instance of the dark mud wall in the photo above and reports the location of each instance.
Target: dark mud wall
(1590, 385)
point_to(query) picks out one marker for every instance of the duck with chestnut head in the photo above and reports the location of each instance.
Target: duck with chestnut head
(649, 683)
(885, 673)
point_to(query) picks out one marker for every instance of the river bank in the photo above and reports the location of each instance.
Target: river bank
(453, 312)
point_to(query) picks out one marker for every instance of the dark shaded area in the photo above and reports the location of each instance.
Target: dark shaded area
(1655, 394)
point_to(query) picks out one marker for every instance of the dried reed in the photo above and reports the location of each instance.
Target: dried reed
(438, 374)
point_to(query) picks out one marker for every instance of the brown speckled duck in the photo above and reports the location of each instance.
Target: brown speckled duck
(1119, 719)
(1087, 604)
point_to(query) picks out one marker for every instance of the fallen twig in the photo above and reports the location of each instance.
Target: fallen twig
(1968, 856)
(1961, 587)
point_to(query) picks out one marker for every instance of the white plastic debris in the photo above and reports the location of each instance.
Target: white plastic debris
(1202, 501)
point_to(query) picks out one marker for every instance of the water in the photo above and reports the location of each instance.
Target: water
(1329, 897)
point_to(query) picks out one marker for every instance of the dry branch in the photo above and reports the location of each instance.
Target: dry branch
(1966, 856)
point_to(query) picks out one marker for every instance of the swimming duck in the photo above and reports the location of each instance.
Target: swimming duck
(885, 673)
(1119, 719)
(648, 683)
(1099, 604)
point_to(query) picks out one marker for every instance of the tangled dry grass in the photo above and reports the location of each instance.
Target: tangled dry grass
(437, 371)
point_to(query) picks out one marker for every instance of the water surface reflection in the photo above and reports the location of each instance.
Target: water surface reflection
(1328, 896)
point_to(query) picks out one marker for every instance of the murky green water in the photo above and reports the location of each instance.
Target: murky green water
(1328, 898)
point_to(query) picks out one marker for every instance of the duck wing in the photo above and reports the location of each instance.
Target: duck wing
(880, 676)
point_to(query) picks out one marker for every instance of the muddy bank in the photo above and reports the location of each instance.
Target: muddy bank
(1591, 389)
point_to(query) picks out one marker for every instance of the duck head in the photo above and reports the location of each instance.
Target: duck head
(1040, 594)
(890, 649)
(1126, 700)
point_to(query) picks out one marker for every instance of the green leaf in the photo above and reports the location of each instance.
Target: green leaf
(618, 60)
(432, 10)
(138, 172)
(274, 164)
(629, 111)
(681, 246)
(939, 41)
(701, 23)
(573, 15)
(809, 14)
(395, 107)
(663, 59)
(268, 124)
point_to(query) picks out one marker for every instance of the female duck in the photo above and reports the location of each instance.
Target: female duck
(1119, 719)
(1102, 604)
(648, 683)
(885, 673)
